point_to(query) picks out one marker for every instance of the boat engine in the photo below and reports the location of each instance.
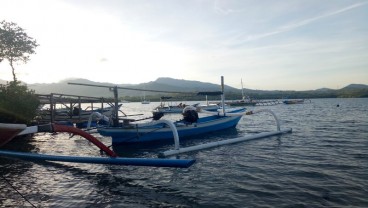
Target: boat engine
(157, 115)
(190, 114)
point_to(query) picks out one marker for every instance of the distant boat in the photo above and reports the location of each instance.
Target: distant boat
(299, 101)
(144, 101)
(124, 101)
(245, 101)
(209, 106)
(166, 107)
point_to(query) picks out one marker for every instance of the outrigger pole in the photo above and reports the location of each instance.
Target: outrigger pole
(177, 150)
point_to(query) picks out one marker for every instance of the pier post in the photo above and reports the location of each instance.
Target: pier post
(52, 114)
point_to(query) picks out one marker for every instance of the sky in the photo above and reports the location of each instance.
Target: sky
(268, 44)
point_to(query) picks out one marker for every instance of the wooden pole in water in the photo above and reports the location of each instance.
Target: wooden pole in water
(223, 95)
(52, 107)
(116, 107)
(80, 108)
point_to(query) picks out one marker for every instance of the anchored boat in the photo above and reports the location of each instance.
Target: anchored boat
(130, 132)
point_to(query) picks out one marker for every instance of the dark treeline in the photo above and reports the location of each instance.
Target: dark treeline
(261, 95)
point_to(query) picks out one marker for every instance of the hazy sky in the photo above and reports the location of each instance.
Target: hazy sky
(284, 45)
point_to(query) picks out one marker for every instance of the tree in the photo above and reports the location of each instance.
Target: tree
(15, 44)
(18, 104)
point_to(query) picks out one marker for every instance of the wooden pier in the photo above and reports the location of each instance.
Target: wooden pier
(72, 107)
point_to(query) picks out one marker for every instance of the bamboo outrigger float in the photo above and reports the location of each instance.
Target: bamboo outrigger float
(177, 150)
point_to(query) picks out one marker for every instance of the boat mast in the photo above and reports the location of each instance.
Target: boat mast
(241, 80)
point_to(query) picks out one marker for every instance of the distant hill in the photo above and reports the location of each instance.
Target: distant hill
(63, 87)
(180, 85)
(355, 87)
(354, 90)
(324, 89)
(192, 85)
(161, 84)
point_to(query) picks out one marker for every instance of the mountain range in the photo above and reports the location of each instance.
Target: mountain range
(180, 85)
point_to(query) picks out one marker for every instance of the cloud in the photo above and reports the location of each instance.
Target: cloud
(243, 38)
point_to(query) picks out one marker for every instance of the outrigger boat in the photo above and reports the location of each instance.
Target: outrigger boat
(131, 132)
(190, 126)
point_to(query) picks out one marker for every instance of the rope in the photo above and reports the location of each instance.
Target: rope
(17, 191)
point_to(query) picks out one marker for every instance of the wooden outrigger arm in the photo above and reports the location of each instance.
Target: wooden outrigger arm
(52, 127)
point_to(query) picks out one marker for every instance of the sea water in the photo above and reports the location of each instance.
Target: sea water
(322, 163)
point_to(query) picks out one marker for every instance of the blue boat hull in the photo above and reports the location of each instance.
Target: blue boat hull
(133, 134)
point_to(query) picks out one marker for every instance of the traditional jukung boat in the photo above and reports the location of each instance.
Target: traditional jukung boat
(130, 132)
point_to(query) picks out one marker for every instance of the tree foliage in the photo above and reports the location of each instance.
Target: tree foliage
(15, 44)
(17, 103)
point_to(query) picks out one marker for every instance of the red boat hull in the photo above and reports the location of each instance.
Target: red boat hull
(9, 131)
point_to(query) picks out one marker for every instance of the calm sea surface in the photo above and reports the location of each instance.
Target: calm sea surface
(322, 163)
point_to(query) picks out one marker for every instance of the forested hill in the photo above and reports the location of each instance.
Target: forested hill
(170, 84)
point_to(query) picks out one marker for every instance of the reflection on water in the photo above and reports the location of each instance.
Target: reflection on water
(323, 163)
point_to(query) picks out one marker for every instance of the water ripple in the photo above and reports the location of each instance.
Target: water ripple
(323, 163)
